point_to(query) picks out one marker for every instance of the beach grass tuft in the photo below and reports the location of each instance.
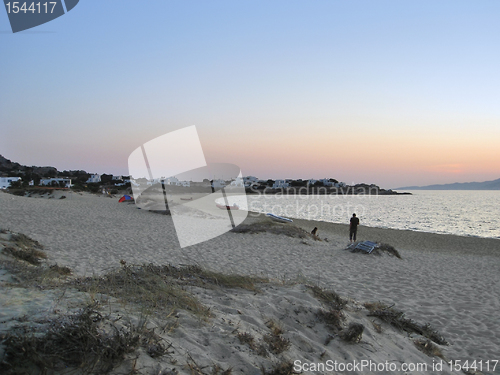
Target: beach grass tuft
(143, 285)
(276, 343)
(353, 333)
(215, 369)
(377, 327)
(270, 226)
(163, 288)
(197, 276)
(328, 297)
(332, 318)
(428, 347)
(283, 368)
(31, 255)
(246, 338)
(72, 341)
(40, 275)
(60, 270)
(22, 240)
(397, 319)
(390, 250)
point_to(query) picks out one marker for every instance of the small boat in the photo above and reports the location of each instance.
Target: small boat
(187, 199)
(224, 207)
(279, 218)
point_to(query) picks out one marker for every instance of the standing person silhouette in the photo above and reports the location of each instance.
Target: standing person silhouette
(353, 228)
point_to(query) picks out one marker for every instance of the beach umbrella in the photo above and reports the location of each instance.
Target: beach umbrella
(125, 198)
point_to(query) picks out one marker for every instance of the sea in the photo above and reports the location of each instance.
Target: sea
(466, 213)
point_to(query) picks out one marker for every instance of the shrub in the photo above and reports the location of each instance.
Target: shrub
(353, 333)
(76, 341)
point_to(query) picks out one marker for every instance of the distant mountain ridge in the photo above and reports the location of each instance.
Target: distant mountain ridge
(486, 185)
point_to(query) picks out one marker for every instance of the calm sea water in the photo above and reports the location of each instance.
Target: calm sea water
(466, 213)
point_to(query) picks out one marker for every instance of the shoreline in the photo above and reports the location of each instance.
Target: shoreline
(408, 239)
(413, 239)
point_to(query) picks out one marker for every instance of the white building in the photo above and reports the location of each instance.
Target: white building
(94, 178)
(250, 180)
(280, 184)
(326, 182)
(56, 181)
(171, 181)
(5, 181)
(237, 182)
(183, 183)
(154, 181)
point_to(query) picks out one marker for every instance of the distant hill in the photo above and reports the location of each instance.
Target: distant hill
(12, 169)
(487, 185)
(9, 168)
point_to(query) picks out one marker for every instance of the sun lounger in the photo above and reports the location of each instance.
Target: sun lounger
(367, 246)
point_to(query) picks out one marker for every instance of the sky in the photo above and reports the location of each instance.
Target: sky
(394, 93)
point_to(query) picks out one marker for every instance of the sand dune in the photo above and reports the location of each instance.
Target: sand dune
(449, 281)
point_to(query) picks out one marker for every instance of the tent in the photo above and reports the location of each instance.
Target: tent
(126, 198)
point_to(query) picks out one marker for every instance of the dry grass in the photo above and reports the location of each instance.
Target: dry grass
(143, 286)
(353, 333)
(426, 346)
(277, 344)
(41, 275)
(25, 248)
(24, 241)
(31, 255)
(246, 338)
(282, 368)
(270, 226)
(389, 250)
(375, 306)
(272, 342)
(60, 270)
(197, 276)
(397, 319)
(328, 297)
(163, 288)
(332, 318)
(27, 252)
(275, 327)
(82, 340)
(259, 348)
(215, 369)
(377, 327)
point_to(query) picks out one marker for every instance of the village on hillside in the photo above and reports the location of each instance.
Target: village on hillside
(16, 176)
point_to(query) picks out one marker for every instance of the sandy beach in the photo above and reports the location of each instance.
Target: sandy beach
(448, 281)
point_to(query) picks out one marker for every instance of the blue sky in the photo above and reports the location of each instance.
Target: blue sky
(390, 92)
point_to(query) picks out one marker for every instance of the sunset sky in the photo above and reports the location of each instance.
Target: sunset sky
(389, 92)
